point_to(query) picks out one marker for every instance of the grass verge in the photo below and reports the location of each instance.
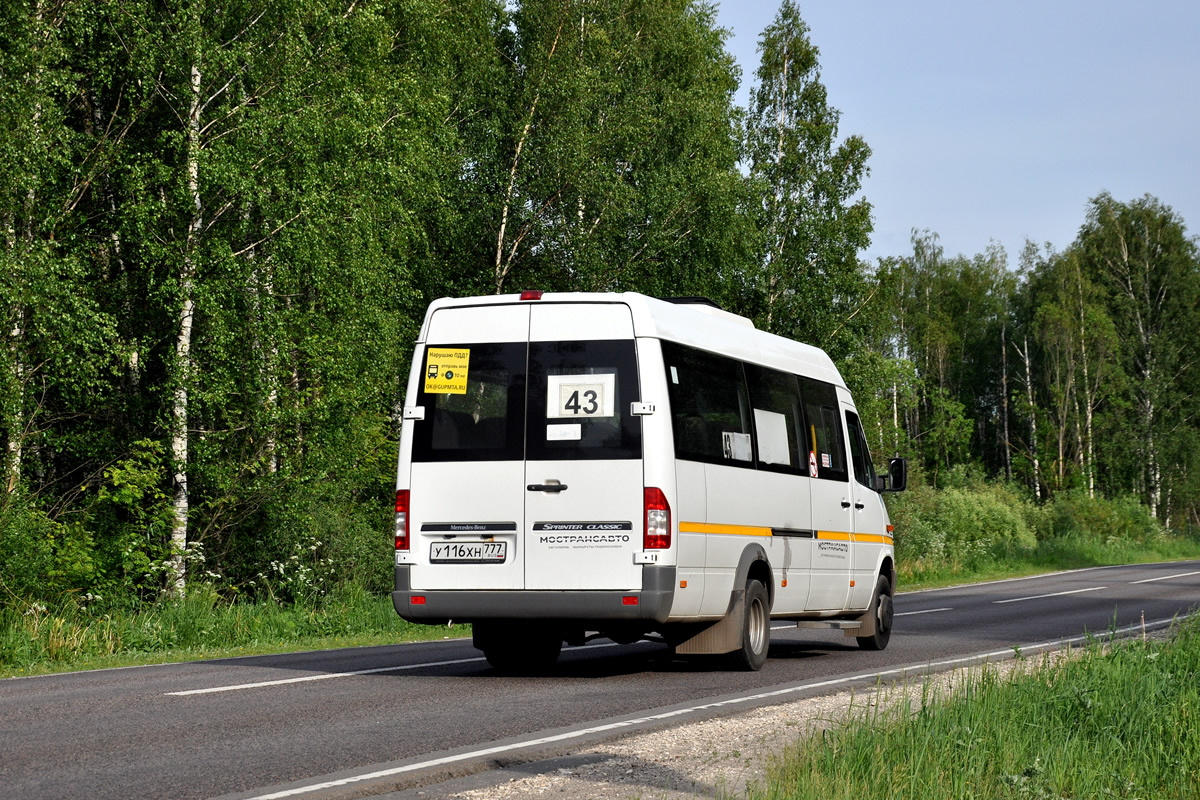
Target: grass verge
(37, 639)
(1120, 720)
(1056, 554)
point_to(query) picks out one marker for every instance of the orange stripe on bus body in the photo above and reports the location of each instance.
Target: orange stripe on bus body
(756, 530)
(708, 527)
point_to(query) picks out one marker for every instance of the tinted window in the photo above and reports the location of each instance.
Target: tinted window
(864, 470)
(480, 418)
(825, 443)
(575, 403)
(579, 400)
(710, 411)
(778, 419)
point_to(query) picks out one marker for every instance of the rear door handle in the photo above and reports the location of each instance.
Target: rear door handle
(845, 504)
(547, 487)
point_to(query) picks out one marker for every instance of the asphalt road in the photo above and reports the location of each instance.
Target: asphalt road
(258, 726)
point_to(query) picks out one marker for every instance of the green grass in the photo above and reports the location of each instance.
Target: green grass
(1050, 555)
(36, 639)
(1120, 721)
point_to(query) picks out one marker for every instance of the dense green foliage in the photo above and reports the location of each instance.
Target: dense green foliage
(1073, 372)
(976, 528)
(1116, 721)
(220, 223)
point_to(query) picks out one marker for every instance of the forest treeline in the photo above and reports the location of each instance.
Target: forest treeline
(221, 221)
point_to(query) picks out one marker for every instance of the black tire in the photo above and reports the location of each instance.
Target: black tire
(881, 607)
(516, 648)
(756, 628)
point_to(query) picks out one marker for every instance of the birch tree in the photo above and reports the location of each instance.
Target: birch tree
(606, 158)
(812, 219)
(1148, 266)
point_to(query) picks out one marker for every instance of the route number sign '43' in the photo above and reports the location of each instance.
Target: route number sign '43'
(575, 396)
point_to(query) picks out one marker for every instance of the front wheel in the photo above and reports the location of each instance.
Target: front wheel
(881, 608)
(756, 628)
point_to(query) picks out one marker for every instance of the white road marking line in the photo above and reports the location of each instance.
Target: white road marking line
(323, 677)
(1055, 594)
(1167, 577)
(561, 737)
(328, 675)
(926, 611)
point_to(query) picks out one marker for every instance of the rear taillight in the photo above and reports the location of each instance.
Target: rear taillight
(402, 519)
(658, 521)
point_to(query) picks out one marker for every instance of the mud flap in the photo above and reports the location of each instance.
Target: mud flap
(866, 623)
(723, 636)
(868, 618)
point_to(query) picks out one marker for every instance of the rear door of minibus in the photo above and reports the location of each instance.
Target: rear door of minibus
(467, 481)
(583, 469)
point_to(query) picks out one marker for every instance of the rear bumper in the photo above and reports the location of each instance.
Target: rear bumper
(654, 602)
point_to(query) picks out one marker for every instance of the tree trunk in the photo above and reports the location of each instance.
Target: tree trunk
(1089, 395)
(183, 344)
(1033, 452)
(775, 248)
(503, 264)
(1004, 399)
(14, 415)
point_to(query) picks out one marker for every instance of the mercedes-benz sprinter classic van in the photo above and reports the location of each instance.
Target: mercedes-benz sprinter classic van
(574, 465)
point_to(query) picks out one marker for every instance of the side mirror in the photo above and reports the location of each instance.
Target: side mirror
(897, 477)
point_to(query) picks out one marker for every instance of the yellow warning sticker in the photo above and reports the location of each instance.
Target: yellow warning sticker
(446, 370)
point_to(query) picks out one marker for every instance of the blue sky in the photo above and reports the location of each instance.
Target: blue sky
(999, 121)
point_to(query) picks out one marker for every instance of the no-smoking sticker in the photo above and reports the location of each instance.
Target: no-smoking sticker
(812, 463)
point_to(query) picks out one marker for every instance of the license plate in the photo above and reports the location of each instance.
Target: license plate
(468, 552)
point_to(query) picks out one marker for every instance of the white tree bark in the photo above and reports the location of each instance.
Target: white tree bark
(1004, 399)
(503, 264)
(1033, 453)
(183, 344)
(1090, 393)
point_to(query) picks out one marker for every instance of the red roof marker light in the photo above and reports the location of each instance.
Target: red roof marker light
(531, 294)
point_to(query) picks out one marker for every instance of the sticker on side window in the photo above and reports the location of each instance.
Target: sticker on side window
(579, 396)
(446, 370)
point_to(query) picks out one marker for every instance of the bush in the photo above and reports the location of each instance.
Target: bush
(41, 558)
(313, 540)
(1124, 520)
(967, 526)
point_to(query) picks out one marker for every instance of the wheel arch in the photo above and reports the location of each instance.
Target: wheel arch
(887, 568)
(754, 565)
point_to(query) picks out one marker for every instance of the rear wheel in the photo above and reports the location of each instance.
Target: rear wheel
(881, 608)
(756, 628)
(516, 647)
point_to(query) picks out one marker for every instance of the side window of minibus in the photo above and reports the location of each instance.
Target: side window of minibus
(778, 418)
(825, 443)
(864, 470)
(710, 410)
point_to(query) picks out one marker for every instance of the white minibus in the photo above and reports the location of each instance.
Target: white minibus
(575, 465)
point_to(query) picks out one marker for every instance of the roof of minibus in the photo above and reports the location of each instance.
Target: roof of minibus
(704, 327)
